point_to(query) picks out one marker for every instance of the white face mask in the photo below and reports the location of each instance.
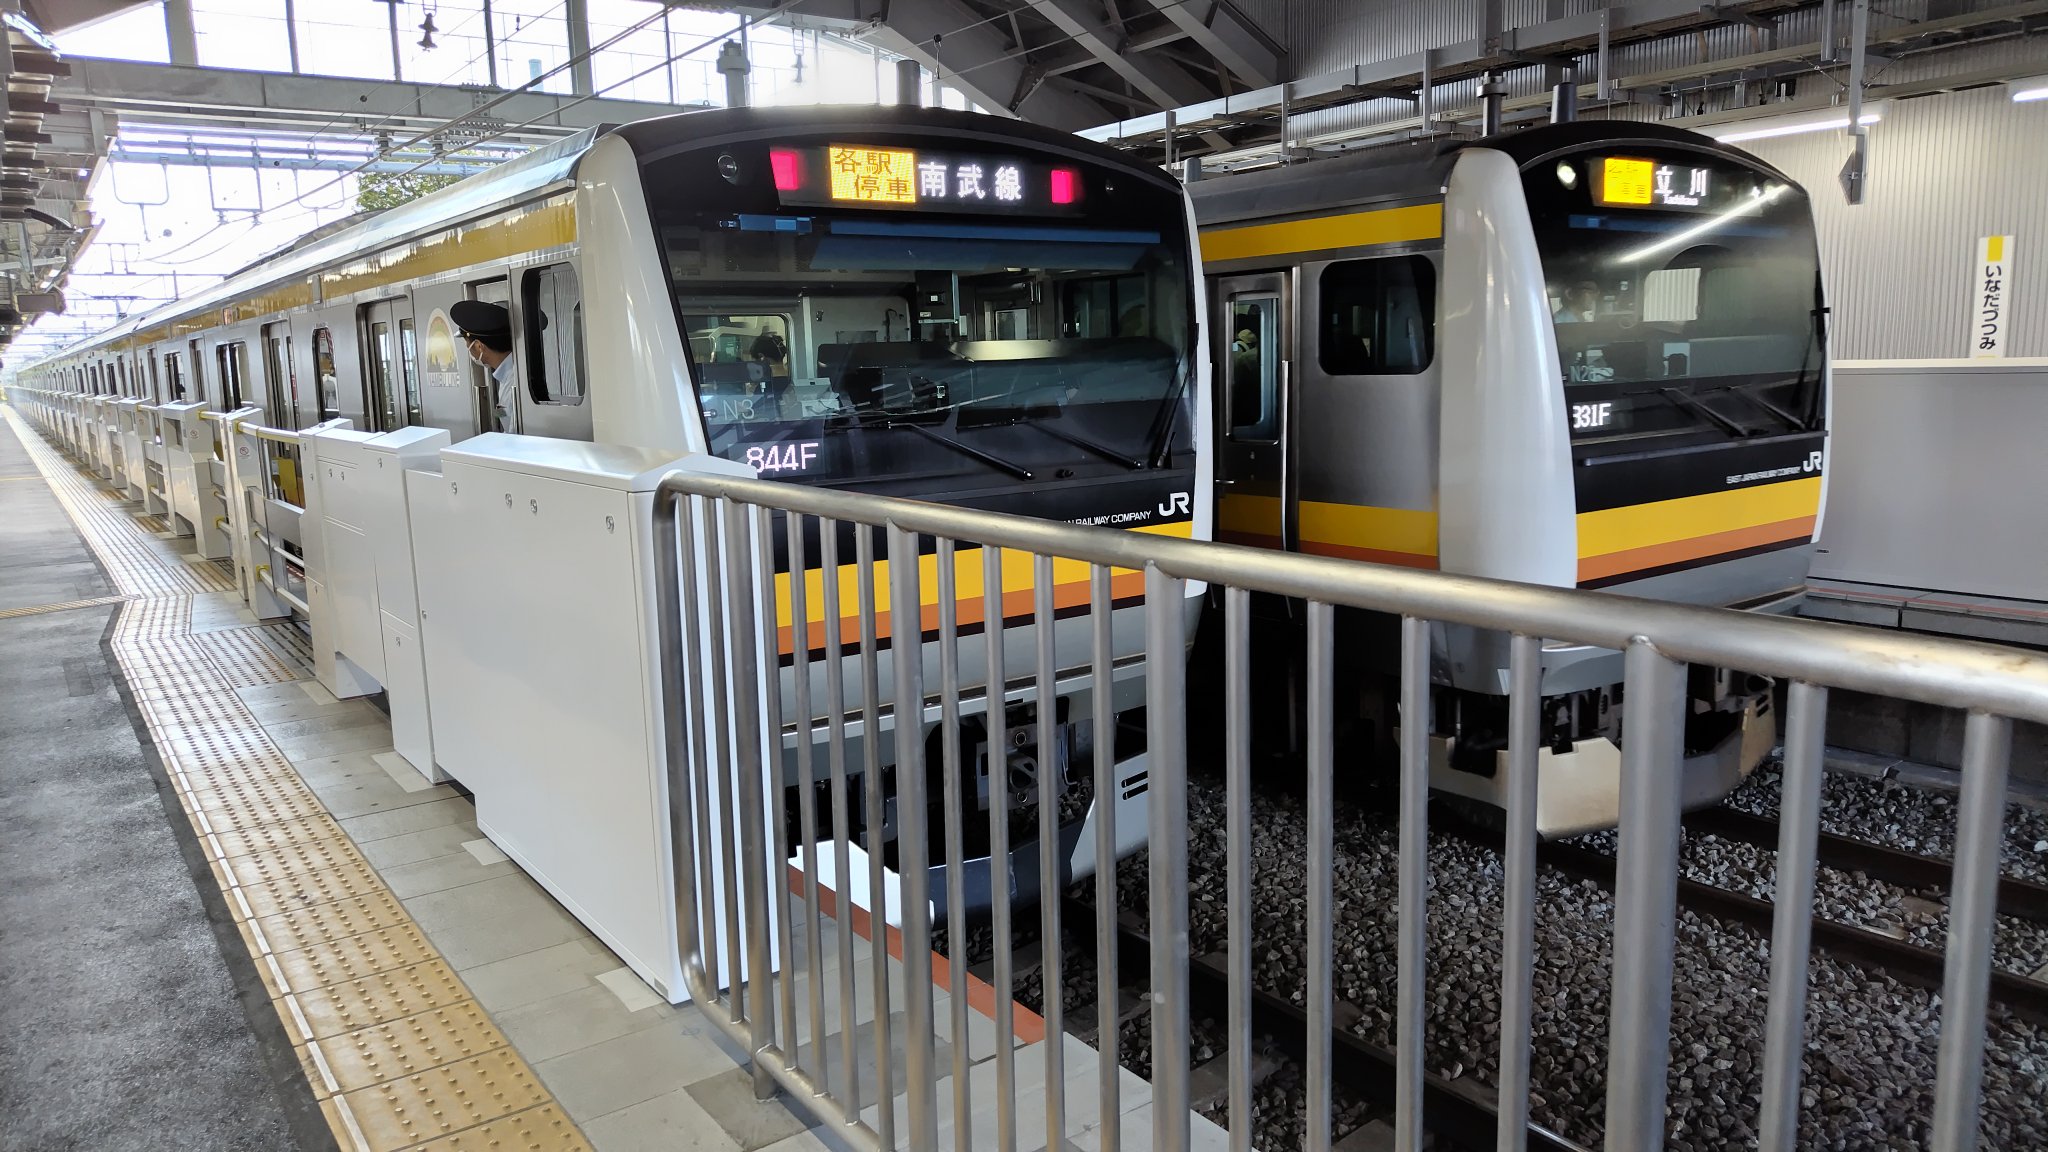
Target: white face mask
(475, 356)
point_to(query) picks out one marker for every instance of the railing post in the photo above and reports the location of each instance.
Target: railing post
(1411, 949)
(1166, 744)
(745, 721)
(906, 620)
(1792, 918)
(1973, 920)
(1518, 897)
(1645, 898)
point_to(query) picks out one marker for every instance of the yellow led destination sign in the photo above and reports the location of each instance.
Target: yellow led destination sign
(1626, 181)
(916, 180)
(1635, 182)
(873, 175)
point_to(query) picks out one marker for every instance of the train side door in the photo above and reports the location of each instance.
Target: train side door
(280, 387)
(482, 386)
(1255, 349)
(384, 328)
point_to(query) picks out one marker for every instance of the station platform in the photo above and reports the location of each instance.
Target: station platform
(258, 927)
(305, 945)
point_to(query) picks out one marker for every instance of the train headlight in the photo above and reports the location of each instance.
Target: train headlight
(1567, 175)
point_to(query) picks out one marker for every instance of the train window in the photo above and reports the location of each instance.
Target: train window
(232, 363)
(1700, 320)
(155, 383)
(197, 365)
(1103, 307)
(552, 303)
(1378, 317)
(279, 387)
(743, 367)
(174, 381)
(1253, 383)
(323, 371)
(408, 367)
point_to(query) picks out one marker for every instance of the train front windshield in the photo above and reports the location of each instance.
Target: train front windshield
(1686, 295)
(895, 316)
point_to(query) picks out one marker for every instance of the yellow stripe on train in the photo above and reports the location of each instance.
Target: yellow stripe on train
(1319, 233)
(1018, 576)
(1614, 541)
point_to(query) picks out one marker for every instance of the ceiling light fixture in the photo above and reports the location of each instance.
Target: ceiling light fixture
(1823, 120)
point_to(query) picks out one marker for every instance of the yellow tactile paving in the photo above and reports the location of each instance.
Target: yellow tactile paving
(542, 1129)
(305, 889)
(442, 1101)
(275, 837)
(353, 958)
(402, 1047)
(255, 805)
(68, 605)
(245, 656)
(321, 924)
(379, 997)
(267, 865)
(398, 1051)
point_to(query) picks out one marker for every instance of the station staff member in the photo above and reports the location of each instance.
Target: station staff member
(486, 331)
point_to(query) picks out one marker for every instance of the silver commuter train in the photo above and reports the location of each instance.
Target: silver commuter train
(903, 301)
(1581, 355)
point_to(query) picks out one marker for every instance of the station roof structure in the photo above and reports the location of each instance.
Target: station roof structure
(1238, 83)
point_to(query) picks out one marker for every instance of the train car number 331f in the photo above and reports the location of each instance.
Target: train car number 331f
(1594, 415)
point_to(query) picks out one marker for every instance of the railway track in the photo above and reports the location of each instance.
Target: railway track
(2024, 899)
(1911, 963)
(1459, 1113)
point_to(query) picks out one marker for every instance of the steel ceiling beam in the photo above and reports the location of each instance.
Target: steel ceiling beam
(1164, 83)
(1234, 41)
(971, 54)
(183, 95)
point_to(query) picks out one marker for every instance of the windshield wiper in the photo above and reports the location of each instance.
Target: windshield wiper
(1748, 392)
(1163, 422)
(993, 461)
(1695, 404)
(1085, 444)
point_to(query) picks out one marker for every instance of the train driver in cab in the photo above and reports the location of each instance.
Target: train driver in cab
(486, 331)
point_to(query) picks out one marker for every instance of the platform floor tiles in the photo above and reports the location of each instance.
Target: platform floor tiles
(432, 995)
(426, 992)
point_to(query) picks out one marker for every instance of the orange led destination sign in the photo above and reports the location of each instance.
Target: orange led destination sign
(873, 175)
(1626, 181)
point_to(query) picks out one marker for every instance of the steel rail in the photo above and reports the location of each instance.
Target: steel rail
(1933, 670)
(1911, 963)
(2023, 899)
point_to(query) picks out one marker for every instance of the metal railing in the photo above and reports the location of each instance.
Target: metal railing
(716, 556)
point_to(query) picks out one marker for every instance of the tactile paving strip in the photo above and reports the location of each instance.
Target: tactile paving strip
(400, 1054)
(68, 605)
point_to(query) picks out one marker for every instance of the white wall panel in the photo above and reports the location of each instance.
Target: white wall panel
(1944, 170)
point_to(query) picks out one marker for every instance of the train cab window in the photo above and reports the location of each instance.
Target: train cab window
(323, 372)
(551, 302)
(743, 367)
(1377, 317)
(1689, 308)
(1253, 368)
